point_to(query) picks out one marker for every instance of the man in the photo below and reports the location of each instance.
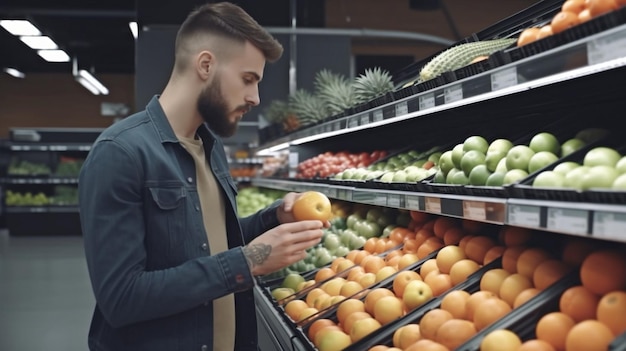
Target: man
(170, 263)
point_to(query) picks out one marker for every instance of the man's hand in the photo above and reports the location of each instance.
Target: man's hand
(279, 247)
(284, 213)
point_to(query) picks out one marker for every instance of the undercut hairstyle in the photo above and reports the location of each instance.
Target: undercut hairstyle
(224, 20)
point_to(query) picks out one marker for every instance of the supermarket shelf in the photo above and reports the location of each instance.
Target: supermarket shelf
(16, 146)
(603, 51)
(246, 161)
(38, 180)
(601, 221)
(41, 209)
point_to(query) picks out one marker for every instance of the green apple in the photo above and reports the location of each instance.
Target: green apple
(416, 293)
(451, 174)
(332, 241)
(291, 281)
(601, 156)
(493, 157)
(471, 159)
(573, 178)
(388, 230)
(501, 167)
(519, 157)
(460, 178)
(373, 214)
(387, 177)
(373, 175)
(322, 257)
(434, 157)
(352, 220)
(599, 177)
(414, 174)
(281, 293)
(571, 145)
(479, 175)
(500, 145)
(545, 141)
(514, 176)
(346, 236)
(475, 142)
(399, 177)
(620, 166)
(549, 179)
(540, 160)
(619, 183)
(565, 167)
(440, 177)
(369, 229)
(357, 242)
(445, 162)
(496, 179)
(360, 173)
(341, 251)
(591, 134)
(348, 174)
(457, 154)
(384, 220)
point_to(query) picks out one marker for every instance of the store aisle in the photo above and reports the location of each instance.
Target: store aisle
(45, 297)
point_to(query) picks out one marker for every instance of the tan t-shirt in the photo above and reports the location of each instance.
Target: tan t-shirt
(213, 215)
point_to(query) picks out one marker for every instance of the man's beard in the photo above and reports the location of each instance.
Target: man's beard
(214, 110)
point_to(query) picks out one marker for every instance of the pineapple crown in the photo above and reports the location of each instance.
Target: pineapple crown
(374, 83)
(277, 111)
(334, 90)
(307, 107)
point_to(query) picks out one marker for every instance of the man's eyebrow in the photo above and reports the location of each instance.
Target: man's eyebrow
(255, 75)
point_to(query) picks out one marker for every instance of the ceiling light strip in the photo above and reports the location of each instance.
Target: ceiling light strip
(93, 81)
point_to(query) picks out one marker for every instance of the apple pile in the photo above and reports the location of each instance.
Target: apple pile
(329, 163)
(478, 162)
(602, 168)
(252, 199)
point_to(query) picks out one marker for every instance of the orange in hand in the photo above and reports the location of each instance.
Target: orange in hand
(312, 205)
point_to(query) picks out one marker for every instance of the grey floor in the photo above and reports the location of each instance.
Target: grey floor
(45, 296)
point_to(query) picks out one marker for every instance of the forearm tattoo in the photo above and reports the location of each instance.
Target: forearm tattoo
(257, 253)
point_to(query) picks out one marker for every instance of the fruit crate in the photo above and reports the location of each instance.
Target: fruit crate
(526, 190)
(619, 344)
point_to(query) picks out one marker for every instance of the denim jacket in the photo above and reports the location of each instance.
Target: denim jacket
(147, 251)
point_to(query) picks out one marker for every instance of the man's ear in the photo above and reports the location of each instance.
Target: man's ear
(204, 61)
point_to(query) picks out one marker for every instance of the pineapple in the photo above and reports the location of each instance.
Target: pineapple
(307, 107)
(334, 90)
(374, 83)
(279, 112)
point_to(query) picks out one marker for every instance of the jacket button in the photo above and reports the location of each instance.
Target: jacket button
(190, 180)
(204, 348)
(204, 246)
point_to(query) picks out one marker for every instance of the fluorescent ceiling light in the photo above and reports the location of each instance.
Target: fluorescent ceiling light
(13, 72)
(93, 81)
(54, 55)
(273, 149)
(85, 83)
(19, 27)
(133, 29)
(42, 42)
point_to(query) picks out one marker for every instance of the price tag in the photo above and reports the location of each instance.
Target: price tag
(433, 204)
(378, 115)
(331, 192)
(293, 159)
(567, 220)
(394, 200)
(522, 215)
(413, 203)
(474, 210)
(606, 48)
(84, 148)
(453, 93)
(364, 119)
(402, 108)
(504, 78)
(353, 122)
(609, 225)
(336, 126)
(380, 200)
(426, 101)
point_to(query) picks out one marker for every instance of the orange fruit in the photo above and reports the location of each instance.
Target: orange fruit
(510, 256)
(410, 246)
(312, 205)
(576, 250)
(322, 302)
(350, 288)
(306, 313)
(527, 36)
(431, 321)
(317, 325)
(334, 340)
(363, 327)
(516, 236)
(579, 303)
(314, 294)
(553, 328)
(463, 269)
(452, 236)
(549, 272)
(392, 254)
(380, 246)
(426, 345)
(428, 266)
(544, 31)
(493, 253)
(406, 335)
(419, 217)
(429, 246)
(512, 286)
(604, 271)
(448, 256)
(589, 335)
(387, 309)
(612, 311)
(536, 345)
(353, 317)
(477, 247)
(524, 296)
(472, 227)
(600, 7)
(406, 260)
(529, 259)
(334, 263)
(423, 234)
(492, 280)
(367, 279)
(391, 245)
(584, 16)
(402, 279)
(352, 254)
(564, 20)
(323, 274)
(344, 265)
(438, 282)
(373, 296)
(454, 332)
(442, 224)
(476, 299)
(319, 335)
(384, 273)
(355, 273)
(293, 308)
(490, 311)
(573, 6)
(333, 286)
(347, 307)
(358, 258)
(455, 302)
(370, 244)
(373, 264)
(500, 340)
(464, 240)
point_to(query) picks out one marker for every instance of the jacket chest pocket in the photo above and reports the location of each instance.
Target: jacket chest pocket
(166, 218)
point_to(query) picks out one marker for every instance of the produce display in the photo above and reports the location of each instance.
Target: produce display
(252, 199)
(22, 167)
(62, 196)
(329, 163)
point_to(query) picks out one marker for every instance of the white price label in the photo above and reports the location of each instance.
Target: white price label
(293, 159)
(522, 215)
(364, 119)
(567, 220)
(433, 204)
(606, 48)
(453, 93)
(58, 148)
(413, 203)
(402, 108)
(504, 78)
(609, 225)
(378, 115)
(427, 101)
(336, 126)
(393, 200)
(353, 122)
(380, 200)
(84, 148)
(331, 192)
(474, 210)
